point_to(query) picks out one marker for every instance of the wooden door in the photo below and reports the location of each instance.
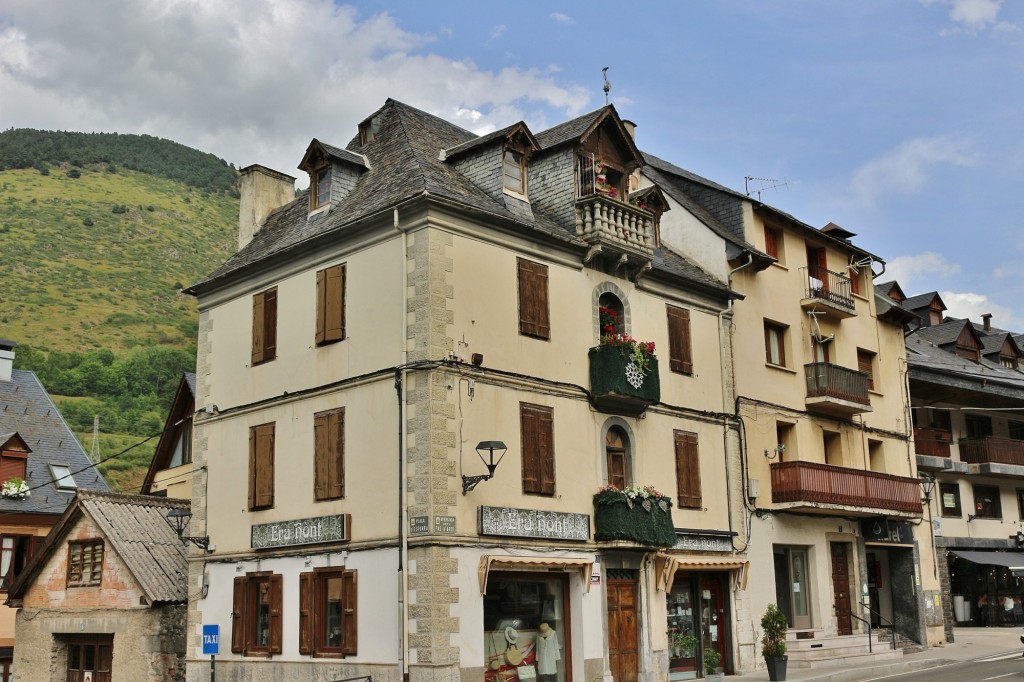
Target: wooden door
(622, 631)
(841, 587)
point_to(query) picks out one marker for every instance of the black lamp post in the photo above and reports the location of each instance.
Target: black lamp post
(178, 519)
(927, 482)
(489, 446)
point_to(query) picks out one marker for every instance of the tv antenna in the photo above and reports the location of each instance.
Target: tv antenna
(817, 335)
(764, 185)
(607, 84)
(94, 454)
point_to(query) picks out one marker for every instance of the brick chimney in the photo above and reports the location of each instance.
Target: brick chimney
(262, 190)
(986, 322)
(6, 359)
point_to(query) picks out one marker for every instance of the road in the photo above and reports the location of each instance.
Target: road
(1008, 666)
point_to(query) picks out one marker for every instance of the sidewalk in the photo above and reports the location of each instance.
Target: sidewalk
(970, 643)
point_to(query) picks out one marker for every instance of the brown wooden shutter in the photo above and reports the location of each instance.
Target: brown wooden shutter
(276, 628)
(306, 589)
(321, 456)
(238, 617)
(687, 469)
(321, 299)
(864, 365)
(350, 613)
(547, 452)
(530, 449)
(771, 244)
(680, 356)
(337, 469)
(12, 467)
(261, 471)
(537, 433)
(270, 325)
(334, 321)
(533, 299)
(252, 467)
(257, 329)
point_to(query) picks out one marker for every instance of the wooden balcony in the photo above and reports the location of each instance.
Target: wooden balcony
(932, 442)
(836, 390)
(992, 450)
(815, 484)
(615, 228)
(828, 292)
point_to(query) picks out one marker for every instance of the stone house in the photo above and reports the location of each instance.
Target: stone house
(104, 598)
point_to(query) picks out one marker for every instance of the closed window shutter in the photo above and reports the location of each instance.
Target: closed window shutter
(329, 456)
(238, 617)
(306, 582)
(270, 325)
(680, 357)
(257, 329)
(536, 423)
(261, 479)
(687, 469)
(12, 467)
(533, 299)
(276, 628)
(330, 304)
(350, 613)
(337, 469)
(771, 245)
(321, 298)
(321, 456)
(864, 365)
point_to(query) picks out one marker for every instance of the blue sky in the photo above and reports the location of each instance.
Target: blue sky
(900, 120)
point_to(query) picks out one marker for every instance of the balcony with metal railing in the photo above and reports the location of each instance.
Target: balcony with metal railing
(812, 484)
(828, 292)
(836, 390)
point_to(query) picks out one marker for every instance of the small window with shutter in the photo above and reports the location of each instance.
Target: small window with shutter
(866, 363)
(264, 326)
(533, 299)
(256, 627)
(328, 618)
(261, 466)
(329, 454)
(680, 356)
(773, 242)
(538, 447)
(687, 470)
(330, 305)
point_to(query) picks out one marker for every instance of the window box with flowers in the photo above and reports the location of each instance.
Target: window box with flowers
(637, 514)
(15, 488)
(623, 371)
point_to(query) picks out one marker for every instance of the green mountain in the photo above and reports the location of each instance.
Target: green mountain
(98, 235)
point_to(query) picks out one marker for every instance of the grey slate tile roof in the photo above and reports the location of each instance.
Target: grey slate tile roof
(26, 408)
(921, 300)
(479, 142)
(343, 154)
(945, 333)
(923, 353)
(568, 131)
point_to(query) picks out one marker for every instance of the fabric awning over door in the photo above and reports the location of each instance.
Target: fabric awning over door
(1011, 560)
(491, 562)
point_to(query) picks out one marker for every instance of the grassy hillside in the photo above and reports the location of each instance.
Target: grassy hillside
(93, 257)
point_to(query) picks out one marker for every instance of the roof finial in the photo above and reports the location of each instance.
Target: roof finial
(607, 84)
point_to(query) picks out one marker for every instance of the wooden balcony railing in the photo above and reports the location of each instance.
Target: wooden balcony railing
(992, 450)
(827, 484)
(825, 380)
(932, 442)
(828, 286)
(601, 220)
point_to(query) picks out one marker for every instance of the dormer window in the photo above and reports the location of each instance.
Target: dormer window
(368, 130)
(321, 194)
(14, 454)
(514, 171)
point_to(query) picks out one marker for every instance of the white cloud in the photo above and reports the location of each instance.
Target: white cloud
(973, 306)
(562, 18)
(904, 170)
(921, 272)
(251, 81)
(498, 31)
(972, 16)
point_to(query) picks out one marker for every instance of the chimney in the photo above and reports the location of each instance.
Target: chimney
(986, 321)
(630, 128)
(6, 359)
(262, 190)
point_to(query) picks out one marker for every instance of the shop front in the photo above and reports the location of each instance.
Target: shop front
(987, 587)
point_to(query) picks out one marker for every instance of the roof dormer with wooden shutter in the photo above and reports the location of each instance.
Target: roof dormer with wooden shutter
(14, 452)
(499, 164)
(333, 173)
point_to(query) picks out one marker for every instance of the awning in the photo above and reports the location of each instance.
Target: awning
(490, 562)
(1011, 560)
(666, 565)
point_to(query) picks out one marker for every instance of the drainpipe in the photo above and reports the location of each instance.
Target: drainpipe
(403, 540)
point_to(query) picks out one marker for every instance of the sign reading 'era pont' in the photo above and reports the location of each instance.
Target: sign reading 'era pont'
(302, 532)
(532, 523)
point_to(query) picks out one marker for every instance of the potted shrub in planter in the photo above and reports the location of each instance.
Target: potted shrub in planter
(712, 659)
(773, 642)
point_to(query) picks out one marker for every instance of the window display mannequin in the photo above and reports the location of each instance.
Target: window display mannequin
(548, 654)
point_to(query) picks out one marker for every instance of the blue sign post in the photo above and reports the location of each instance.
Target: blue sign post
(211, 646)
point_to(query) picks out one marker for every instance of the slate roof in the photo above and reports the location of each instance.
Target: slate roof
(570, 130)
(343, 154)
(26, 408)
(945, 333)
(483, 140)
(135, 527)
(922, 301)
(923, 353)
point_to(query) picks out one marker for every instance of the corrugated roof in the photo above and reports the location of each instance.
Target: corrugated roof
(26, 408)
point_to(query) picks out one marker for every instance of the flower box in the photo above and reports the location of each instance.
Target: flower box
(640, 515)
(618, 385)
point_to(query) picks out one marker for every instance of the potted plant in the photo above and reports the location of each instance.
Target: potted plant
(682, 646)
(773, 642)
(712, 659)
(16, 488)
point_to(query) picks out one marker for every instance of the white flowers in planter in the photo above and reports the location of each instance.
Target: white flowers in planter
(16, 488)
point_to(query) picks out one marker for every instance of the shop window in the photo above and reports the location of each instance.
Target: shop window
(533, 299)
(330, 305)
(986, 502)
(15, 551)
(264, 326)
(90, 658)
(617, 457)
(526, 628)
(261, 466)
(85, 563)
(256, 614)
(949, 497)
(328, 612)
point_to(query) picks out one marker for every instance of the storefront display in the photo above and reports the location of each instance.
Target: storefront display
(525, 628)
(682, 637)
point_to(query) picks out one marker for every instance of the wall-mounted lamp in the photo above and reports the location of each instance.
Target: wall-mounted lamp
(927, 482)
(469, 482)
(177, 519)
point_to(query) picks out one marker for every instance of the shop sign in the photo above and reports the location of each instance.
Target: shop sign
(302, 531)
(703, 543)
(887, 531)
(533, 523)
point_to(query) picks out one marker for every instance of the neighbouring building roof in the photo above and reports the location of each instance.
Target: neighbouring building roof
(27, 409)
(918, 301)
(945, 333)
(182, 408)
(136, 529)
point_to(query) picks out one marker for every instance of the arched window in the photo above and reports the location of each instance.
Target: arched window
(611, 314)
(616, 453)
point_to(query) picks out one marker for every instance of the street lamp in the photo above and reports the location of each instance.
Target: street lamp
(489, 446)
(177, 519)
(927, 482)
